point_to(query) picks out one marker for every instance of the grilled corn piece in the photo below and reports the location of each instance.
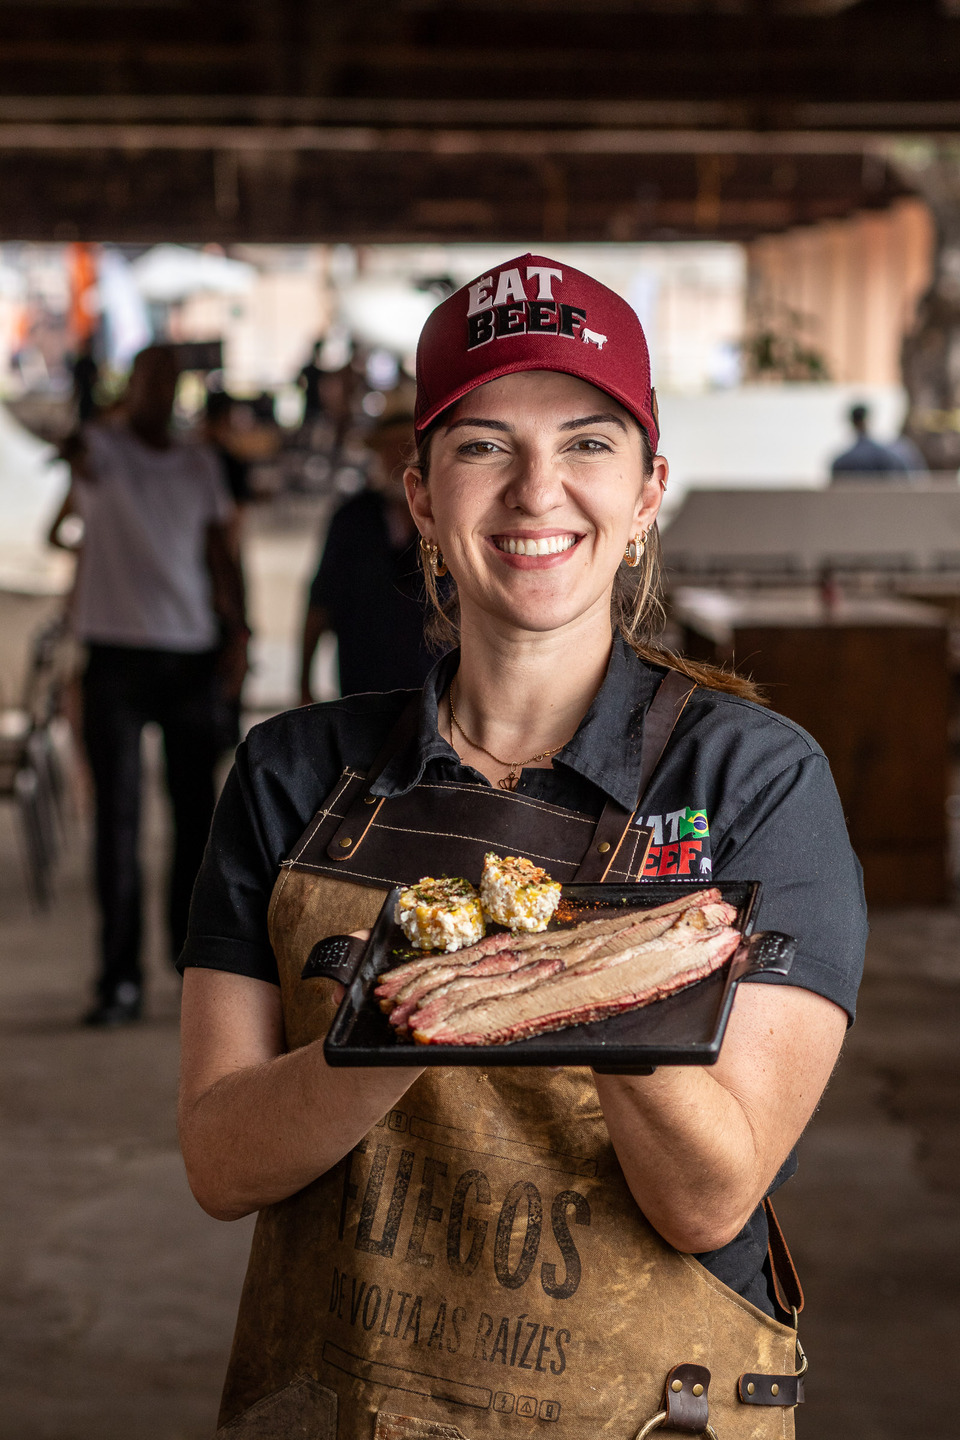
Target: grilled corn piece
(440, 914)
(516, 893)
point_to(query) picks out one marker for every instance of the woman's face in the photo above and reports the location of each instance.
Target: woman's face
(535, 487)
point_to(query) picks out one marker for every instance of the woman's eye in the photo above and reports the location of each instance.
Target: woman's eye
(479, 447)
(589, 446)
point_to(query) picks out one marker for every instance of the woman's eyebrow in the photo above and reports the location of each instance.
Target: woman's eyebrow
(483, 424)
(593, 420)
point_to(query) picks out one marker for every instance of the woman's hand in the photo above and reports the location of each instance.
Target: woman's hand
(700, 1146)
(258, 1123)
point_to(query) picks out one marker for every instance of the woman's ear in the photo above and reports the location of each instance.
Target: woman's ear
(418, 499)
(651, 496)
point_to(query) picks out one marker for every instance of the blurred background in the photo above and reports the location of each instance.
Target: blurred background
(280, 194)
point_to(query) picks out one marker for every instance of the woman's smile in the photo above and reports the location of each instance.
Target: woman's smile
(534, 550)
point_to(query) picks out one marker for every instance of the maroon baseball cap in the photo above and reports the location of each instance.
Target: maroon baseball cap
(534, 314)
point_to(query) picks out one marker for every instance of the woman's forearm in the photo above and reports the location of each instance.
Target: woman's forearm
(257, 1124)
(264, 1132)
(699, 1147)
(688, 1153)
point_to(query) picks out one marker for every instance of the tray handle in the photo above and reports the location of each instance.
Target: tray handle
(768, 952)
(335, 958)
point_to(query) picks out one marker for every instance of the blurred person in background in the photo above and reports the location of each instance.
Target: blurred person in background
(159, 604)
(86, 373)
(368, 589)
(219, 434)
(866, 456)
(309, 381)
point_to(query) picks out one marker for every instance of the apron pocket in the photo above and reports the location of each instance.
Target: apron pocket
(302, 1410)
(407, 1427)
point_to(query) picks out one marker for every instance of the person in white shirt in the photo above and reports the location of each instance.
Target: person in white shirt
(159, 605)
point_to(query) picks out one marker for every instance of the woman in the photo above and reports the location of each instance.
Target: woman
(454, 1252)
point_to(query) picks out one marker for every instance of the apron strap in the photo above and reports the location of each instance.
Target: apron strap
(615, 821)
(364, 807)
(786, 1281)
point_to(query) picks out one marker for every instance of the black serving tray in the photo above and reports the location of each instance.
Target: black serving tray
(684, 1029)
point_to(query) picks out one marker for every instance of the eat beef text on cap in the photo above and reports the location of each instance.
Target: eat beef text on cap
(532, 313)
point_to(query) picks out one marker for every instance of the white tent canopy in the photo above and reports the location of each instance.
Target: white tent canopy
(169, 273)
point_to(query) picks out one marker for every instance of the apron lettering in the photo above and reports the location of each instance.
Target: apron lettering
(470, 1180)
(546, 1331)
(513, 1279)
(370, 1320)
(404, 1297)
(571, 1258)
(439, 1326)
(425, 1212)
(514, 1341)
(483, 1335)
(517, 1237)
(371, 1201)
(413, 1323)
(516, 1338)
(356, 1300)
(526, 1349)
(457, 1318)
(500, 1343)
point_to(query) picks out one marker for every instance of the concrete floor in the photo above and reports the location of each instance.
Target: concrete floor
(117, 1294)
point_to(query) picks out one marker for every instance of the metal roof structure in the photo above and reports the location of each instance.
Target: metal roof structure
(461, 119)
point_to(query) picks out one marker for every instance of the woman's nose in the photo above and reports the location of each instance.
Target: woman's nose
(535, 485)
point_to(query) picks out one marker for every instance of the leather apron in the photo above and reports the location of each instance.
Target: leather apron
(476, 1267)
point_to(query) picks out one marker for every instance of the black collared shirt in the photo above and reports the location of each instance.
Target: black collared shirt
(740, 794)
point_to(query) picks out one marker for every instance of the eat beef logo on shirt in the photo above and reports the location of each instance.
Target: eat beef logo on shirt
(680, 845)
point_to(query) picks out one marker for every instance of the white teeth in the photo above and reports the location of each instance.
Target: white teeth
(551, 545)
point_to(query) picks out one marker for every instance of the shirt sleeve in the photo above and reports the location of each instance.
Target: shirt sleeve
(228, 913)
(791, 835)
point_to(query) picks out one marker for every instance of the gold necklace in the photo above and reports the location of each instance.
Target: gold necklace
(509, 782)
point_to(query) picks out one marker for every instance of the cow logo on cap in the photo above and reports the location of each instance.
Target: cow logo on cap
(511, 308)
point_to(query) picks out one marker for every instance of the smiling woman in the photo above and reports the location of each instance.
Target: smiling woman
(400, 1209)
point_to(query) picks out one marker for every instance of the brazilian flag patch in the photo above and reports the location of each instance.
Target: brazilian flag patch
(694, 822)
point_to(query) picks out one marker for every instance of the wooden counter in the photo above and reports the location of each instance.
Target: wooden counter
(869, 679)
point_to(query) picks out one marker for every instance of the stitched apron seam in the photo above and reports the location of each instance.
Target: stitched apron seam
(324, 814)
(455, 835)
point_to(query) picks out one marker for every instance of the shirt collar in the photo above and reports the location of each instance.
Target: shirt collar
(605, 749)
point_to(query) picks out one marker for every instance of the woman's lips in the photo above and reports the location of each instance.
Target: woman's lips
(534, 550)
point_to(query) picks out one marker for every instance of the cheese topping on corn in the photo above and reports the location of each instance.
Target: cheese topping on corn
(440, 914)
(516, 893)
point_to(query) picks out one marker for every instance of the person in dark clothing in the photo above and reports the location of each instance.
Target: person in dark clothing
(85, 373)
(368, 588)
(309, 380)
(217, 432)
(866, 456)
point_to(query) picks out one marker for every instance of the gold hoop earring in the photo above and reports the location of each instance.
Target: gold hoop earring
(634, 551)
(432, 557)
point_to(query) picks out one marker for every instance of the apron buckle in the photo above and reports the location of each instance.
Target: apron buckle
(685, 1406)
